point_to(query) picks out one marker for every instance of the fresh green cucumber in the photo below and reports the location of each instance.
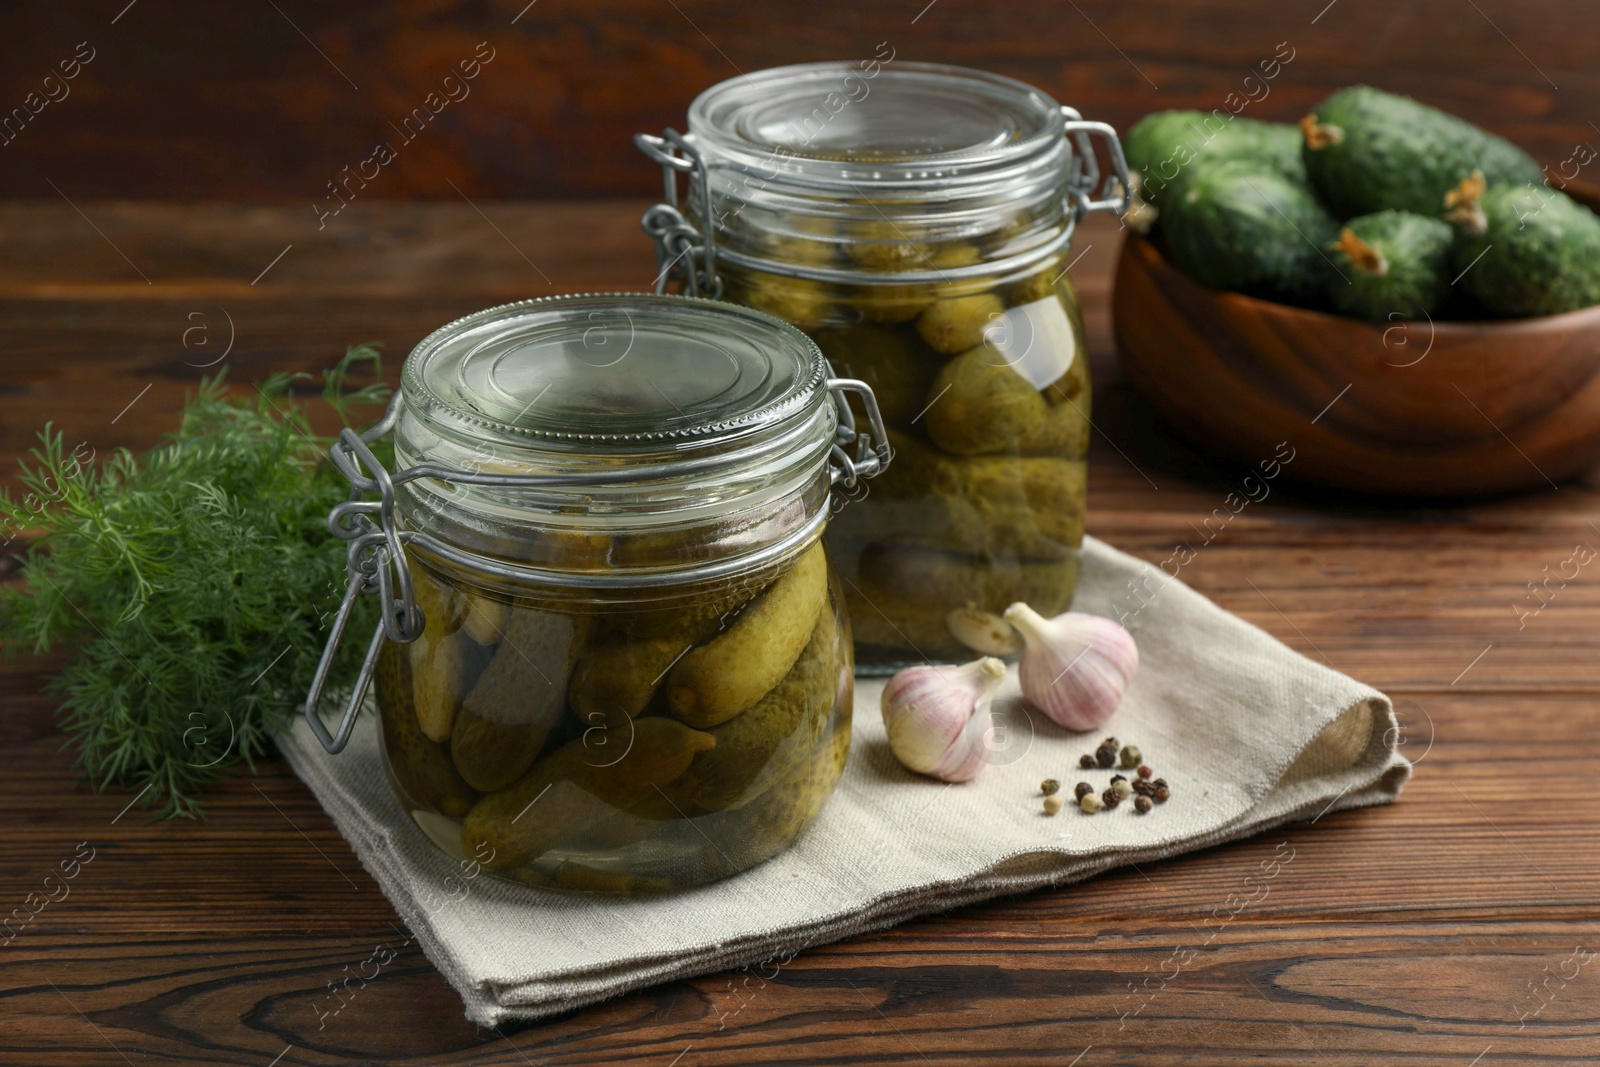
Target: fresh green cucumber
(1525, 249)
(1367, 150)
(1390, 265)
(1164, 147)
(1239, 224)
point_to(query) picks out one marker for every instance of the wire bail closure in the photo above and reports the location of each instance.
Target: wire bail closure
(376, 556)
(1084, 182)
(684, 254)
(687, 255)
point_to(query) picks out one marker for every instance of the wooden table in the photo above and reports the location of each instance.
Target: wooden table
(1451, 928)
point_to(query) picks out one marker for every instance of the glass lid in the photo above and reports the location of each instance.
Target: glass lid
(621, 373)
(904, 120)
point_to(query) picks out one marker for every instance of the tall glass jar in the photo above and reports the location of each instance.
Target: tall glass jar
(915, 220)
(614, 654)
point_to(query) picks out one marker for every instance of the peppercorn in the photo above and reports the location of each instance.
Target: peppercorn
(1162, 793)
(1159, 783)
(1052, 804)
(1143, 787)
(1110, 798)
(1106, 754)
(1089, 803)
(1086, 762)
(1143, 771)
(1121, 787)
(1142, 805)
(1082, 789)
(1131, 757)
(1049, 787)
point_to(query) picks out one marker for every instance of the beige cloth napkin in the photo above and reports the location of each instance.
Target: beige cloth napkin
(1248, 733)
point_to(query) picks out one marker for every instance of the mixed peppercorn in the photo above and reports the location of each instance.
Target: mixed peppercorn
(1145, 789)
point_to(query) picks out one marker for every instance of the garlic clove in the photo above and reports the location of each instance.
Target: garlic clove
(1074, 667)
(984, 631)
(937, 717)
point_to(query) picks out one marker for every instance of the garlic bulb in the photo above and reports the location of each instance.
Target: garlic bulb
(983, 632)
(937, 717)
(1075, 667)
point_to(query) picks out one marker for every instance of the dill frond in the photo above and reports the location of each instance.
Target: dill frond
(196, 583)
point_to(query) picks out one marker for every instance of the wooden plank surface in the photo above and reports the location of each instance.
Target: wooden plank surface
(1428, 932)
(193, 99)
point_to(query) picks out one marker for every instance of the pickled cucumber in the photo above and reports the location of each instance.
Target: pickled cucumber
(923, 580)
(511, 709)
(980, 403)
(801, 301)
(880, 245)
(616, 679)
(894, 621)
(485, 618)
(990, 505)
(957, 323)
(896, 363)
(572, 793)
(889, 305)
(911, 633)
(420, 768)
(438, 657)
(948, 254)
(698, 613)
(766, 743)
(718, 680)
(988, 472)
(742, 837)
(1046, 284)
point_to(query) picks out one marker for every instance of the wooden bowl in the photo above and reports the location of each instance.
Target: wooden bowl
(1420, 408)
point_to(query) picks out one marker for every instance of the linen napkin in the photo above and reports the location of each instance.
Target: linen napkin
(1247, 733)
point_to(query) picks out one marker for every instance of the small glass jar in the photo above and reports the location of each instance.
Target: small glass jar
(915, 220)
(614, 654)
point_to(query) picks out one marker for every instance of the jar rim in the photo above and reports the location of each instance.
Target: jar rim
(927, 124)
(464, 377)
(592, 485)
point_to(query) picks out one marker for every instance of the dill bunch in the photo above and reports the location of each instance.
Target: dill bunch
(196, 581)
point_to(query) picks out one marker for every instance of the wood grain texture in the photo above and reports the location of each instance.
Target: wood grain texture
(1410, 934)
(1417, 408)
(192, 100)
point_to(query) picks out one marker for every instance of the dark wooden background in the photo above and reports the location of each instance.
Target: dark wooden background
(1435, 932)
(190, 99)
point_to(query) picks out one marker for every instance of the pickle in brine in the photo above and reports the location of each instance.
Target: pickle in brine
(766, 743)
(615, 679)
(421, 768)
(1027, 506)
(718, 680)
(957, 323)
(924, 580)
(570, 790)
(801, 301)
(897, 365)
(485, 618)
(508, 714)
(980, 403)
(438, 656)
(748, 835)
